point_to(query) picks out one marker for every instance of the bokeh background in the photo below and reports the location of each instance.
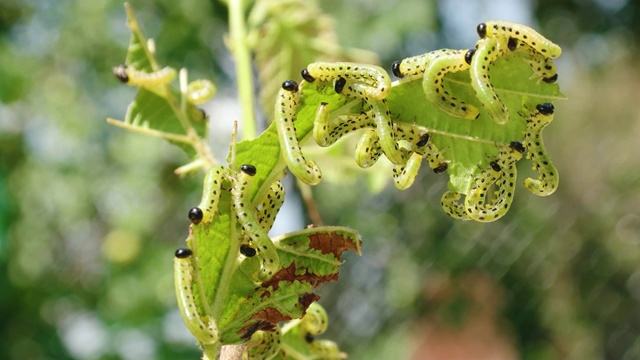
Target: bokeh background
(90, 214)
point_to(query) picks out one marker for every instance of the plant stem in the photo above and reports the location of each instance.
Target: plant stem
(240, 50)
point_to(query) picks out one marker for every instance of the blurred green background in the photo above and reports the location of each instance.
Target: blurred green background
(90, 214)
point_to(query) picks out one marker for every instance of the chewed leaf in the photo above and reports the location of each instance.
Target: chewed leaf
(471, 144)
(308, 259)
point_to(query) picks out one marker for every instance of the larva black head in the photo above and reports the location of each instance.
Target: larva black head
(469, 55)
(247, 250)
(424, 139)
(290, 85)
(195, 215)
(305, 75)
(552, 79)
(482, 30)
(495, 166)
(545, 108)
(512, 44)
(395, 68)
(309, 338)
(183, 253)
(441, 168)
(339, 85)
(248, 169)
(121, 73)
(517, 146)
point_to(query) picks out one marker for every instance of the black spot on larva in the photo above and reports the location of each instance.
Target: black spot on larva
(195, 215)
(183, 253)
(495, 166)
(441, 168)
(482, 30)
(424, 139)
(305, 75)
(512, 44)
(247, 250)
(121, 73)
(339, 85)
(290, 85)
(248, 169)
(395, 68)
(552, 79)
(517, 146)
(545, 108)
(469, 55)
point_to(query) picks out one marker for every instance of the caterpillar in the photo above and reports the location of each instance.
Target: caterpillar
(548, 179)
(433, 67)
(265, 345)
(241, 182)
(141, 78)
(372, 81)
(200, 91)
(202, 327)
(451, 205)
(247, 220)
(501, 173)
(326, 134)
(315, 321)
(521, 33)
(496, 39)
(285, 111)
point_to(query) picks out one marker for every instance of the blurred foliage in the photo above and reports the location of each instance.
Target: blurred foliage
(87, 234)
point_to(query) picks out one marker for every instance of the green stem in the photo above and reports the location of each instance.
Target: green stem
(244, 74)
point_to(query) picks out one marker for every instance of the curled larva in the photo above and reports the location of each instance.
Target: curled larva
(202, 327)
(477, 204)
(141, 78)
(240, 193)
(265, 345)
(285, 116)
(326, 133)
(200, 91)
(374, 80)
(405, 175)
(548, 178)
(519, 33)
(315, 321)
(450, 202)
(367, 149)
(433, 67)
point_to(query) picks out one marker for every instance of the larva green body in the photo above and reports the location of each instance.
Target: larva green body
(405, 175)
(245, 212)
(488, 50)
(270, 205)
(477, 204)
(433, 67)
(202, 327)
(327, 131)
(285, 112)
(374, 80)
(265, 345)
(368, 149)
(316, 320)
(211, 192)
(200, 91)
(450, 202)
(135, 77)
(524, 34)
(548, 178)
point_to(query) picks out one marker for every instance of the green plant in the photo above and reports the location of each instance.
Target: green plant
(234, 284)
